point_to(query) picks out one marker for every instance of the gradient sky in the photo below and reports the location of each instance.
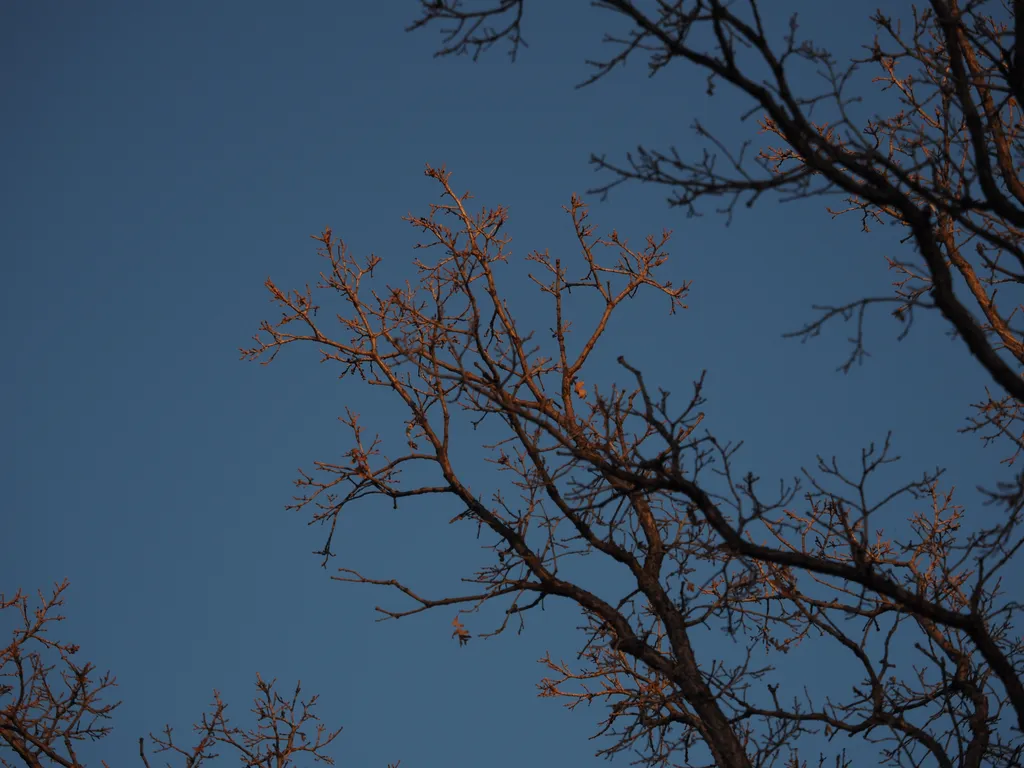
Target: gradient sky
(160, 160)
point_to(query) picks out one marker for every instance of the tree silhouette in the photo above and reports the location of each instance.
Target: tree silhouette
(943, 164)
(50, 704)
(938, 155)
(623, 473)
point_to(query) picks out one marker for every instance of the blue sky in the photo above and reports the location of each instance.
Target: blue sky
(161, 160)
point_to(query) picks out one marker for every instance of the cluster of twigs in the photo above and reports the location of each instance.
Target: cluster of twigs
(50, 705)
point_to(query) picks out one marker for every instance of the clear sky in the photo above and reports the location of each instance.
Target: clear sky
(160, 160)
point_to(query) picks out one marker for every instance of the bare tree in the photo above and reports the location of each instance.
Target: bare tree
(280, 737)
(45, 716)
(49, 704)
(923, 131)
(628, 475)
(939, 154)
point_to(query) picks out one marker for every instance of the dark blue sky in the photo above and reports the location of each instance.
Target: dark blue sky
(160, 160)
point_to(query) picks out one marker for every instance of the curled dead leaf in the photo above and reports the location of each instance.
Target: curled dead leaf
(460, 631)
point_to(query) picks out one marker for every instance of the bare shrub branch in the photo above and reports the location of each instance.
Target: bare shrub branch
(49, 704)
(282, 732)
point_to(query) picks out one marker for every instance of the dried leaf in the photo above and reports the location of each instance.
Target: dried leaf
(460, 631)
